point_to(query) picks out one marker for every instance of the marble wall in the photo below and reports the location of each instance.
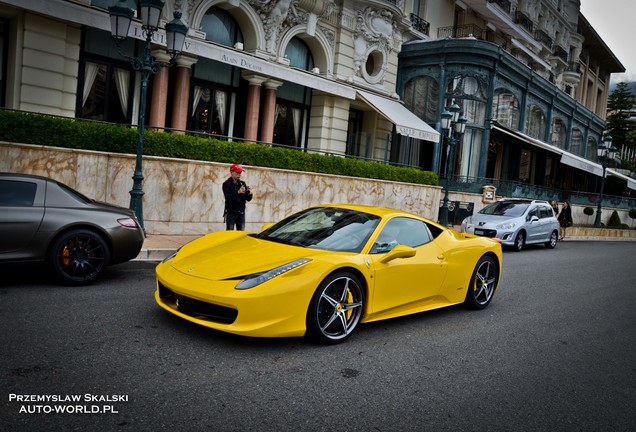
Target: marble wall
(185, 198)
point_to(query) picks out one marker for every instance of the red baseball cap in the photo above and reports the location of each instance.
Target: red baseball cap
(236, 168)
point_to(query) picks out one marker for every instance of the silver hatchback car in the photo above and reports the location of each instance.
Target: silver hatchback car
(516, 223)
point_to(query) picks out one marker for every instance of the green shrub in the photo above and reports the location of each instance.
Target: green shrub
(632, 213)
(588, 211)
(29, 128)
(614, 220)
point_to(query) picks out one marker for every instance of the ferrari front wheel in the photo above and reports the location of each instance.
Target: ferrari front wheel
(336, 308)
(482, 283)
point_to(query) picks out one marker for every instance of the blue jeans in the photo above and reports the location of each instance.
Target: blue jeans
(235, 219)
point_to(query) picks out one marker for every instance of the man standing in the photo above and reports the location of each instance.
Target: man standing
(236, 193)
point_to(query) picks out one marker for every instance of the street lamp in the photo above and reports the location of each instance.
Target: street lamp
(454, 126)
(120, 17)
(605, 152)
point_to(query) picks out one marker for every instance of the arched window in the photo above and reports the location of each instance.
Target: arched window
(535, 122)
(220, 27)
(293, 100)
(558, 134)
(505, 109)
(299, 55)
(421, 95)
(591, 148)
(576, 144)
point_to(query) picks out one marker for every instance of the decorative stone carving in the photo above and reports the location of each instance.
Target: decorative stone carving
(373, 42)
(278, 16)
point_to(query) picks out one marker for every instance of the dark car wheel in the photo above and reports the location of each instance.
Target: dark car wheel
(482, 283)
(335, 309)
(553, 240)
(78, 257)
(520, 241)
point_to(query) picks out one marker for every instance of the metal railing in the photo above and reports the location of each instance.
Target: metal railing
(561, 53)
(514, 189)
(543, 37)
(466, 30)
(420, 24)
(524, 21)
(504, 5)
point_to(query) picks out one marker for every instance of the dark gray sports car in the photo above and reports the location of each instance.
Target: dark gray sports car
(44, 220)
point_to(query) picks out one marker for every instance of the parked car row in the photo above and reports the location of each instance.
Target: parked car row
(319, 272)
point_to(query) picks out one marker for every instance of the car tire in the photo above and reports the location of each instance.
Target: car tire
(336, 308)
(554, 236)
(78, 256)
(520, 241)
(483, 283)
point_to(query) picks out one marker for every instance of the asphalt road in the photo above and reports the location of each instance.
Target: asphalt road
(555, 351)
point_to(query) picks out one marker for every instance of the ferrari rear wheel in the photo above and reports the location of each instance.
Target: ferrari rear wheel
(78, 257)
(336, 308)
(482, 283)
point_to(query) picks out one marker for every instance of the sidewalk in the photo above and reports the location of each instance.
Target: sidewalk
(158, 247)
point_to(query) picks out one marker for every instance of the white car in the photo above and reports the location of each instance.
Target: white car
(516, 223)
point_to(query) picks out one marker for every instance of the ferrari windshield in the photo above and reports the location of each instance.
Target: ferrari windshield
(326, 228)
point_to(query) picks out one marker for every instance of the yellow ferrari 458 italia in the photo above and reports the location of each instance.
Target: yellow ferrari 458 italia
(324, 270)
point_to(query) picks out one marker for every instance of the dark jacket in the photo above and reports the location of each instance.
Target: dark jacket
(565, 217)
(235, 202)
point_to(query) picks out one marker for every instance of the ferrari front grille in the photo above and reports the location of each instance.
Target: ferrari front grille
(197, 308)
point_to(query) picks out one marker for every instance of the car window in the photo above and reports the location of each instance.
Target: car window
(324, 228)
(545, 212)
(505, 208)
(533, 212)
(17, 193)
(401, 230)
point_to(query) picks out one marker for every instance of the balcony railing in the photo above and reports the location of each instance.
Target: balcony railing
(513, 189)
(524, 21)
(544, 38)
(504, 5)
(472, 30)
(467, 30)
(561, 53)
(574, 67)
(493, 37)
(420, 24)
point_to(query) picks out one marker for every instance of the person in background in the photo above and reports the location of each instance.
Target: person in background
(555, 207)
(236, 194)
(565, 218)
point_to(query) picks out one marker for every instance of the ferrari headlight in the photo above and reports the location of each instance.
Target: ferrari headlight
(257, 279)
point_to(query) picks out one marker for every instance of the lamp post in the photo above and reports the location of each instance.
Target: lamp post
(120, 17)
(454, 126)
(605, 152)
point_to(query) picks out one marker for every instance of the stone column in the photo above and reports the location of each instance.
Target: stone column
(182, 93)
(159, 100)
(269, 110)
(253, 105)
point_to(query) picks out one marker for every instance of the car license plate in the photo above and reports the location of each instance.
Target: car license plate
(479, 232)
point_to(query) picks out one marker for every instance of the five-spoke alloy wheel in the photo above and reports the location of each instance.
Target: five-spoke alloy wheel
(336, 308)
(483, 283)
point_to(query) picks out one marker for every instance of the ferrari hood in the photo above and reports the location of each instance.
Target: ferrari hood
(234, 254)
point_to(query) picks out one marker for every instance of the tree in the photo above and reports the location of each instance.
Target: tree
(619, 103)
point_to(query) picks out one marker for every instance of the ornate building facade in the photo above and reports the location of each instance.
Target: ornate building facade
(365, 79)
